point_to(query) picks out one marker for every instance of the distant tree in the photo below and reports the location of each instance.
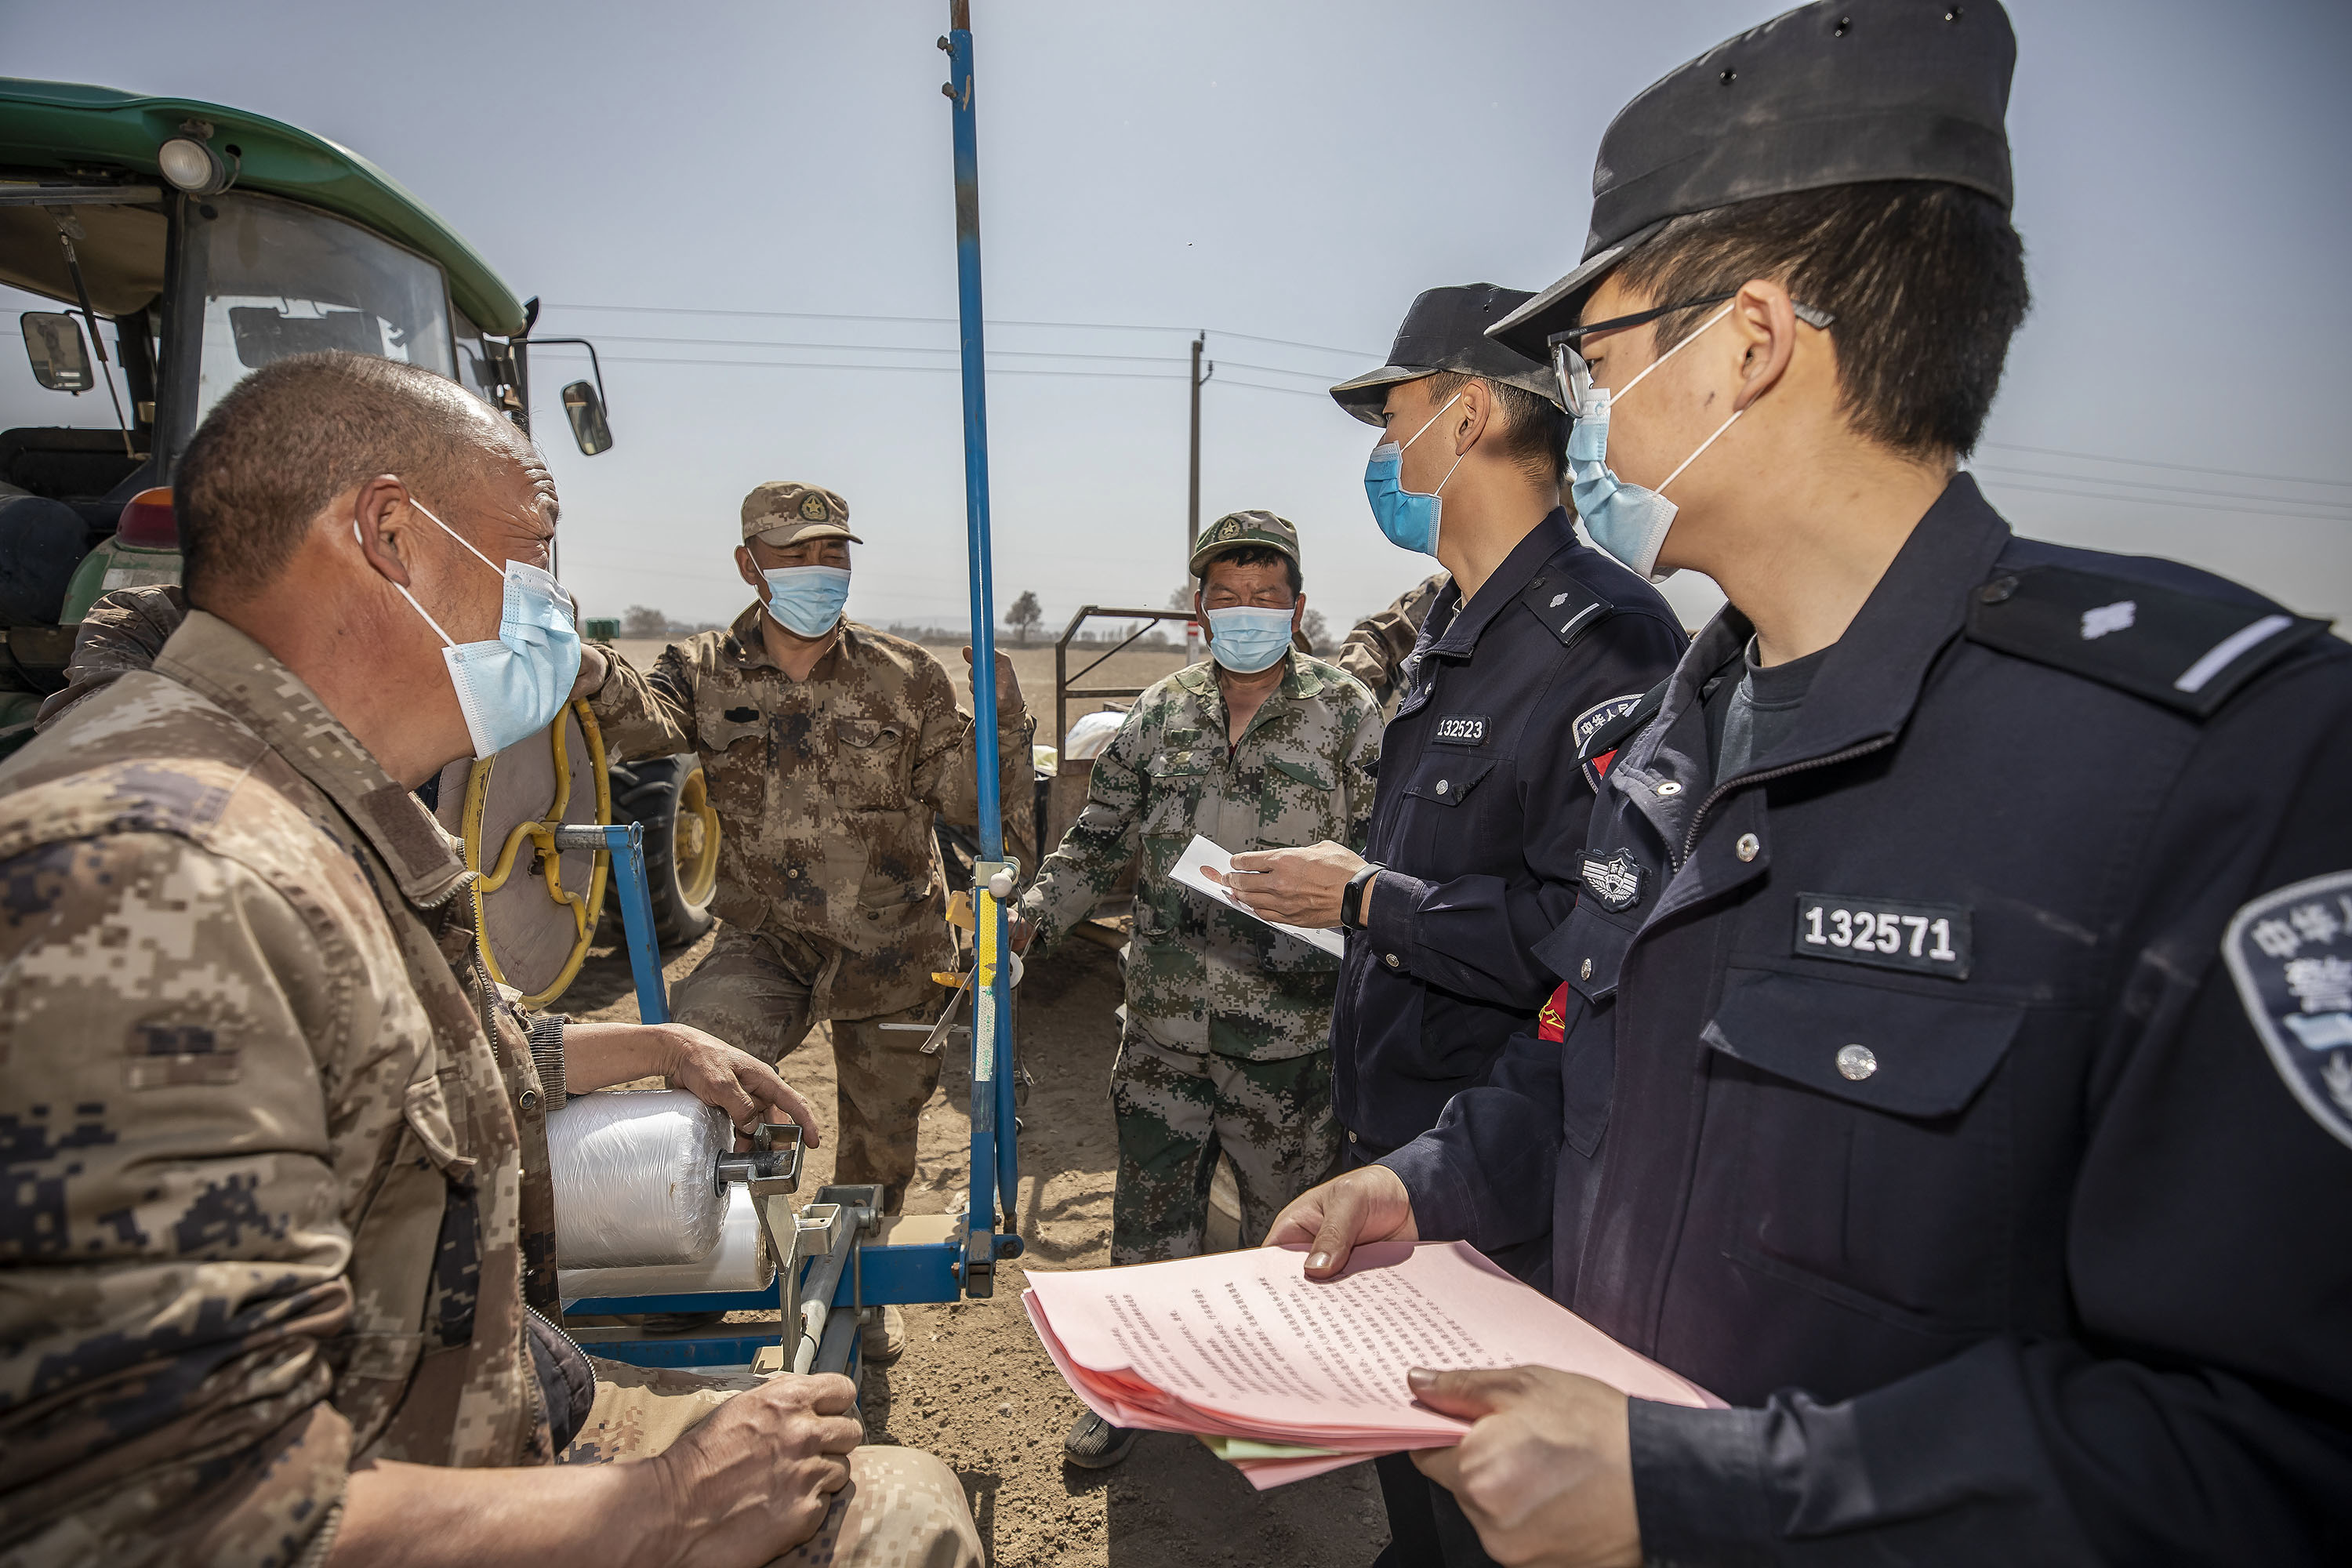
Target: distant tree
(1023, 616)
(1318, 633)
(1182, 599)
(644, 621)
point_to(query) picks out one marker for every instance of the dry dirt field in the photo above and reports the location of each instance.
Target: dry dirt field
(1031, 666)
(975, 1388)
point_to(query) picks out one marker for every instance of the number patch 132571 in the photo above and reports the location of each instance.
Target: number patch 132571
(1888, 933)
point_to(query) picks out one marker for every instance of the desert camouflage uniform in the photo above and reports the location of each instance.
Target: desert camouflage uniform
(1227, 1041)
(829, 878)
(1378, 646)
(124, 631)
(275, 1153)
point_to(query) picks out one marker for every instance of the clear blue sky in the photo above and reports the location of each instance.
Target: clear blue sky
(1293, 172)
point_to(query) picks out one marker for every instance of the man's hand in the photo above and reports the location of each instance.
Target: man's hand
(1297, 886)
(1337, 1218)
(598, 1056)
(739, 1083)
(1018, 930)
(747, 1485)
(594, 664)
(1008, 690)
(754, 1480)
(1547, 1474)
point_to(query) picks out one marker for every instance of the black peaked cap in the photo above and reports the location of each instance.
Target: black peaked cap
(1446, 330)
(1836, 93)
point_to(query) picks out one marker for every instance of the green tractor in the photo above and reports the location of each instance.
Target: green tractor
(167, 248)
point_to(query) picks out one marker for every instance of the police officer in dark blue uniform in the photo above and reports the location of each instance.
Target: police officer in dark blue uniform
(1953, 1070)
(1479, 815)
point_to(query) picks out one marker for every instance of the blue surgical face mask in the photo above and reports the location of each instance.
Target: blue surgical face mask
(1246, 640)
(1626, 521)
(512, 689)
(807, 599)
(1409, 518)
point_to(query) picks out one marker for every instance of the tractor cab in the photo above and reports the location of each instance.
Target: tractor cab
(154, 252)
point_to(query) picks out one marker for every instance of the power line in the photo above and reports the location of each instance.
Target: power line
(2152, 463)
(951, 320)
(851, 364)
(893, 348)
(2236, 507)
(2333, 508)
(2258, 505)
(1261, 386)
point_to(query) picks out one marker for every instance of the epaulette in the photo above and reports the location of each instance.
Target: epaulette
(2187, 651)
(1567, 607)
(1601, 729)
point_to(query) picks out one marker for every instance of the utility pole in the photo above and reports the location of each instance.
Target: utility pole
(1192, 509)
(1192, 505)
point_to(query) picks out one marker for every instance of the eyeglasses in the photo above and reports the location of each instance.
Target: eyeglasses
(1575, 378)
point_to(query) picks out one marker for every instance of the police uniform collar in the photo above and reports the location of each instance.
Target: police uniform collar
(1871, 681)
(1545, 540)
(220, 663)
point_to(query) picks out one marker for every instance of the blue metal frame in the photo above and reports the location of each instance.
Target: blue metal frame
(684, 1351)
(624, 842)
(929, 1271)
(994, 1148)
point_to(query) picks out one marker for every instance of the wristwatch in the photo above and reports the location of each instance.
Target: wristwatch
(1351, 902)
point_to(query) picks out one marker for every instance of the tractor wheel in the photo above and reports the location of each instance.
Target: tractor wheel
(667, 794)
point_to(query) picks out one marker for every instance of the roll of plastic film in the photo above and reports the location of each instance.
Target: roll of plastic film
(636, 1178)
(739, 1262)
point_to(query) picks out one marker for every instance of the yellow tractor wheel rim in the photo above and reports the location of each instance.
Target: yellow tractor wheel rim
(541, 836)
(694, 842)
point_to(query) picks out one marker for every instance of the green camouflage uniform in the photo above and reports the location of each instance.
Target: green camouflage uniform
(1378, 646)
(1227, 1040)
(829, 878)
(276, 1150)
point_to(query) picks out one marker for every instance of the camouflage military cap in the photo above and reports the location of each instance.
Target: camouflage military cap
(786, 511)
(1244, 531)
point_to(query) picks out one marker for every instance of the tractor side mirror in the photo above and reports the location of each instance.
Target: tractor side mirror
(53, 342)
(586, 412)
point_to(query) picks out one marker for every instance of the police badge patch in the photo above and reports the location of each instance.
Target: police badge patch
(1614, 879)
(1588, 723)
(2290, 953)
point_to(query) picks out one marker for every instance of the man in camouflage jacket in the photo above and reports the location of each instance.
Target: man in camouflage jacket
(281, 1229)
(1378, 646)
(1227, 1045)
(827, 757)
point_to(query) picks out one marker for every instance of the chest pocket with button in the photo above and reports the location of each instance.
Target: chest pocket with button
(1442, 781)
(1298, 805)
(1874, 1167)
(869, 771)
(1174, 782)
(735, 731)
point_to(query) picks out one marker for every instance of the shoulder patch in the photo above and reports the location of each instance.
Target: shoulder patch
(2189, 653)
(2290, 953)
(1601, 729)
(1603, 715)
(1567, 607)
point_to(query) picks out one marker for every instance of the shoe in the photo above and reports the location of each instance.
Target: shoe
(881, 1341)
(1093, 1444)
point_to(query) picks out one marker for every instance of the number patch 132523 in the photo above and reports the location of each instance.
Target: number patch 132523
(1888, 933)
